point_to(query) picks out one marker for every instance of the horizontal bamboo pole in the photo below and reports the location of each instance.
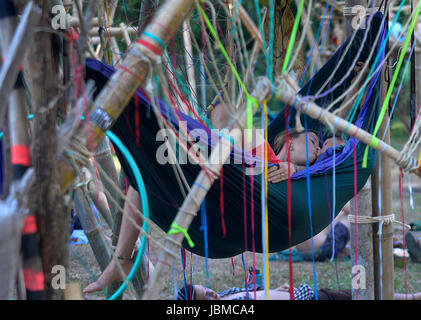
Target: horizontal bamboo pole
(198, 192)
(75, 22)
(113, 31)
(287, 94)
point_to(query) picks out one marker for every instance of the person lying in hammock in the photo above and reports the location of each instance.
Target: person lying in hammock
(219, 119)
(303, 292)
(129, 233)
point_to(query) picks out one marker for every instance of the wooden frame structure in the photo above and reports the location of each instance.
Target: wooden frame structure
(110, 103)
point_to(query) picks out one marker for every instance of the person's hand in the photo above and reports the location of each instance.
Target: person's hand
(279, 172)
(285, 287)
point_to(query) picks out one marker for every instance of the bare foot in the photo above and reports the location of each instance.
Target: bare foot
(111, 273)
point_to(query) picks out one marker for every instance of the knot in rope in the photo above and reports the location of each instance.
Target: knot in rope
(175, 228)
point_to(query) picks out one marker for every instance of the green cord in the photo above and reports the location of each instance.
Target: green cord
(293, 36)
(175, 228)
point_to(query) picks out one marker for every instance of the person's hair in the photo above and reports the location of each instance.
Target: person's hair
(186, 293)
(281, 138)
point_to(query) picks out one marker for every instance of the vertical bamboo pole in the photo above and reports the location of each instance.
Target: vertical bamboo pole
(364, 288)
(384, 284)
(122, 85)
(92, 229)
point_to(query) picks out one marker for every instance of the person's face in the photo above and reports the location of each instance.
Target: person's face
(202, 293)
(329, 143)
(298, 152)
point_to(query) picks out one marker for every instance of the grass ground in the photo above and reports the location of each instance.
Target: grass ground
(225, 273)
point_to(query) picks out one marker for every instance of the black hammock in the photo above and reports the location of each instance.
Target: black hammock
(137, 127)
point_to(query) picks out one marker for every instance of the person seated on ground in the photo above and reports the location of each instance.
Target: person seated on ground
(414, 246)
(304, 292)
(323, 242)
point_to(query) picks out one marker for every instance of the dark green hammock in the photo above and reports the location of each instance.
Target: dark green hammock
(165, 197)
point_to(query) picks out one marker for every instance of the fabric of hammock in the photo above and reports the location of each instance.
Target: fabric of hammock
(165, 196)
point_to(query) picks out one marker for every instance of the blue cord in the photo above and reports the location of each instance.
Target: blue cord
(309, 212)
(183, 263)
(145, 210)
(204, 228)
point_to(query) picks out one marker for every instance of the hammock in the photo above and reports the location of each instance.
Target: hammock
(137, 127)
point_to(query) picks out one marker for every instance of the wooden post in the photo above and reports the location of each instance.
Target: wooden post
(384, 284)
(362, 265)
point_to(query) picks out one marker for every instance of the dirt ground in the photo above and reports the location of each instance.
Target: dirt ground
(225, 273)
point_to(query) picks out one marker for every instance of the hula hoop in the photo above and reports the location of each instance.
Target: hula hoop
(145, 209)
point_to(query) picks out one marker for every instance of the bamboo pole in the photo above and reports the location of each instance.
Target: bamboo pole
(112, 31)
(92, 230)
(198, 192)
(384, 283)
(363, 289)
(362, 265)
(126, 34)
(120, 88)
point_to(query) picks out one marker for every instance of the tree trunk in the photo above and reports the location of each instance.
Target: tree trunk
(283, 25)
(53, 220)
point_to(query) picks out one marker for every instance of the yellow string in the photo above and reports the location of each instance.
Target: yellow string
(266, 202)
(419, 160)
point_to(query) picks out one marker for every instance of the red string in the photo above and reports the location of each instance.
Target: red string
(291, 278)
(355, 203)
(233, 266)
(244, 209)
(403, 231)
(191, 273)
(150, 46)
